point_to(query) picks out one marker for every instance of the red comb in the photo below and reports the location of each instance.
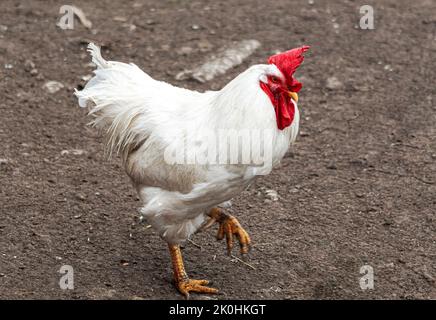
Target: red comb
(288, 62)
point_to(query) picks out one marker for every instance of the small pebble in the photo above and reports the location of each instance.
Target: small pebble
(53, 86)
(333, 83)
(184, 51)
(29, 65)
(81, 196)
(76, 152)
(332, 166)
(120, 19)
(271, 195)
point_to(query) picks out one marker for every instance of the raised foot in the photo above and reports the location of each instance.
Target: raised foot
(230, 228)
(190, 285)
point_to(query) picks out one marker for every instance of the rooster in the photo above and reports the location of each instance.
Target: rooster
(143, 118)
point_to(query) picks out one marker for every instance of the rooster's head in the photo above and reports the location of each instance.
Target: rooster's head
(283, 89)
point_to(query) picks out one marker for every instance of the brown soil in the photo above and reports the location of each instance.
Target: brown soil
(358, 188)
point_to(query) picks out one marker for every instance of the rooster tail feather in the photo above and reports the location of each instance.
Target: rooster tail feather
(115, 97)
(97, 59)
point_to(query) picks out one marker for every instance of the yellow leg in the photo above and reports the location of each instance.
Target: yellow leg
(182, 281)
(229, 227)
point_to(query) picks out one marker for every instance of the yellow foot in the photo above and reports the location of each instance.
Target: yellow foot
(199, 286)
(230, 228)
(183, 283)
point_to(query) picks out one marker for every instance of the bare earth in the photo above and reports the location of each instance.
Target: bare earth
(359, 187)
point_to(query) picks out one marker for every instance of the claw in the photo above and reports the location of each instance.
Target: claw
(208, 224)
(229, 238)
(220, 234)
(190, 285)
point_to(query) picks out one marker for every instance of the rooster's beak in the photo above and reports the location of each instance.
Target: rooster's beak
(293, 95)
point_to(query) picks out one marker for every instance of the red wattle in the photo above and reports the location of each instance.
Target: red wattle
(283, 107)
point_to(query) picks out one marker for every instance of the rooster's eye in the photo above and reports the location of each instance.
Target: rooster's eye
(275, 79)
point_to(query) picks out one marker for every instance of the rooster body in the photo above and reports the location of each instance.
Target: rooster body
(144, 117)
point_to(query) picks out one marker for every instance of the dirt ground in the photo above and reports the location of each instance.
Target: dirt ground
(358, 188)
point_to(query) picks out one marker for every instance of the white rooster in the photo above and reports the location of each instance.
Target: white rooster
(145, 118)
